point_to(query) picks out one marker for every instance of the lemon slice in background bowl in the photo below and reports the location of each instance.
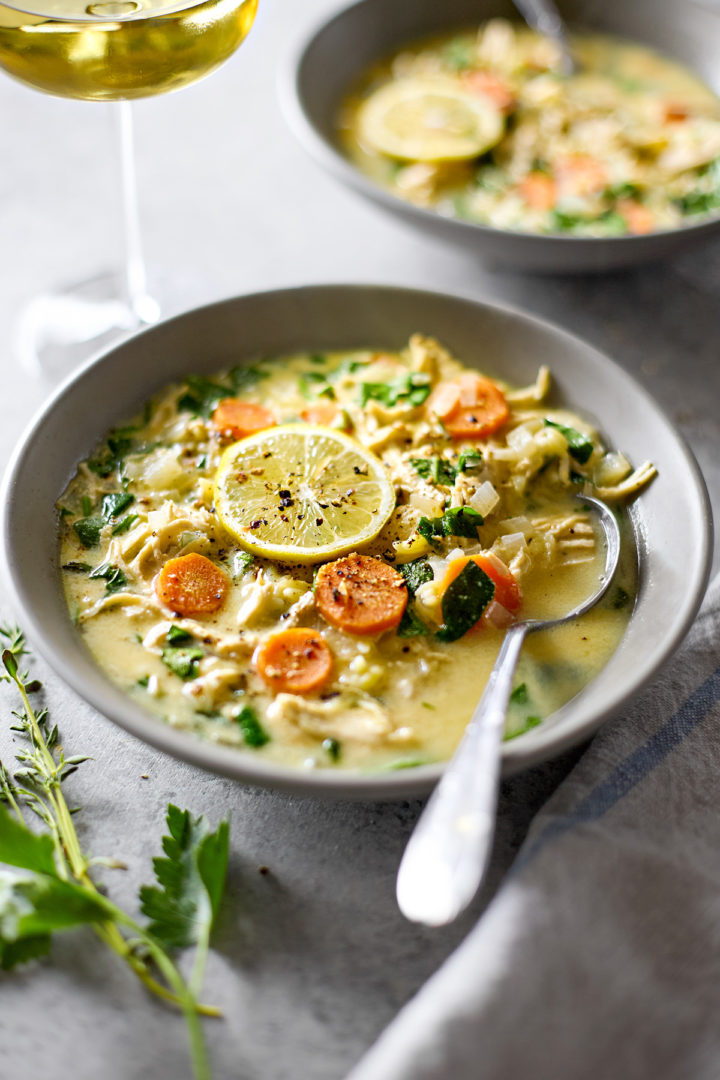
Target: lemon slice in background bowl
(429, 119)
(302, 493)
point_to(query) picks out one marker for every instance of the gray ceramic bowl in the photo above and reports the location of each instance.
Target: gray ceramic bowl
(323, 64)
(671, 520)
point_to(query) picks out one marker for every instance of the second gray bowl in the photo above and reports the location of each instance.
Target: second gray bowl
(324, 63)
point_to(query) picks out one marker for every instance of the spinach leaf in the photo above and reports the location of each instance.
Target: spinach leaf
(113, 576)
(411, 625)
(519, 695)
(253, 733)
(244, 376)
(88, 530)
(435, 469)
(620, 598)
(177, 636)
(310, 382)
(332, 749)
(125, 524)
(416, 573)
(464, 601)
(624, 190)
(413, 388)
(459, 54)
(202, 395)
(111, 457)
(182, 661)
(579, 446)
(114, 504)
(459, 521)
(77, 567)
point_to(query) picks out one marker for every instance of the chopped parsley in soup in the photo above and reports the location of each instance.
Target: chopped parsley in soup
(484, 126)
(315, 558)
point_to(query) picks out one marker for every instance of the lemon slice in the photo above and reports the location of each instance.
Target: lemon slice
(429, 119)
(302, 493)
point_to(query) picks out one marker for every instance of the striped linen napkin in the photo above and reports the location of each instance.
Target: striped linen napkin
(599, 957)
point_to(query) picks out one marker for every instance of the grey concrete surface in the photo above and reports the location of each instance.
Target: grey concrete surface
(312, 959)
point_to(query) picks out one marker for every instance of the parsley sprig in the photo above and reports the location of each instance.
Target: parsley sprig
(51, 888)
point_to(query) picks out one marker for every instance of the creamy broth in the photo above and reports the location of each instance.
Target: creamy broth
(394, 698)
(629, 144)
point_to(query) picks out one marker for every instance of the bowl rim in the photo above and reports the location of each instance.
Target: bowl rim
(541, 743)
(323, 150)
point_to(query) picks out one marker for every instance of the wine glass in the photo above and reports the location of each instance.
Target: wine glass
(114, 51)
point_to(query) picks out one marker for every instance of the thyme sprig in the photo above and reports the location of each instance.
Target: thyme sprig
(51, 888)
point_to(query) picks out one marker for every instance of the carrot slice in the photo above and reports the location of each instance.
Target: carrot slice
(236, 419)
(324, 413)
(507, 590)
(480, 407)
(484, 82)
(191, 585)
(676, 113)
(580, 174)
(295, 661)
(538, 190)
(361, 595)
(640, 220)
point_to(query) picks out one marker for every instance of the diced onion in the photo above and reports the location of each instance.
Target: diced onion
(485, 499)
(612, 469)
(497, 615)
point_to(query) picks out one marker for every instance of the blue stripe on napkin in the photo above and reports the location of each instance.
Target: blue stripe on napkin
(633, 769)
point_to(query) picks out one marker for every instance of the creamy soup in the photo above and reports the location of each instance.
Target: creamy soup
(483, 126)
(314, 558)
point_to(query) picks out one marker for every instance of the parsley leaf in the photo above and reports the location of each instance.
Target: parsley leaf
(579, 446)
(416, 573)
(23, 848)
(177, 636)
(464, 601)
(240, 562)
(253, 732)
(33, 906)
(413, 388)
(471, 460)
(77, 567)
(436, 470)
(113, 576)
(183, 905)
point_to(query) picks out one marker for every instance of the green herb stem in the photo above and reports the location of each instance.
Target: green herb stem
(71, 857)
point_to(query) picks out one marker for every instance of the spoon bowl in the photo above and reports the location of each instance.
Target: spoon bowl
(447, 855)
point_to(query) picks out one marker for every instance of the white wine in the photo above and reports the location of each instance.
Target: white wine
(111, 50)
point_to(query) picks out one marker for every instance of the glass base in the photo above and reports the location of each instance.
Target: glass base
(56, 332)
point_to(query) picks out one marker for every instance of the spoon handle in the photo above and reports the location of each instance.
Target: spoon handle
(543, 16)
(446, 856)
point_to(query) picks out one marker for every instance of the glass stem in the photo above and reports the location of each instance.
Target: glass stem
(141, 304)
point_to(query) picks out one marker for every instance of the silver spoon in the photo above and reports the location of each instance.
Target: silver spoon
(543, 16)
(447, 855)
